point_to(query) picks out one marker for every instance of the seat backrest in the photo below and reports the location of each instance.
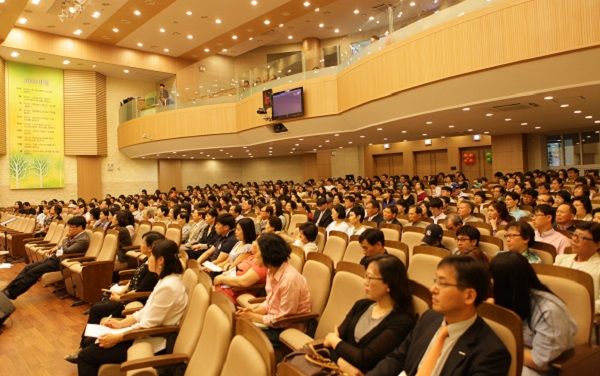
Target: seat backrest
(423, 264)
(287, 217)
(449, 242)
(346, 289)
(412, 236)
(215, 335)
(576, 289)
(296, 219)
(159, 227)
(354, 252)
(297, 258)
(29, 226)
(509, 328)
(142, 228)
(192, 324)
(335, 248)
(501, 234)
(250, 352)
(490, 245)
(190, 280)
(547, 252)
(205, 280)
(399, 250)
(96, 240)
(484, 228)
(318, 271)
(60, 229)
(421, 297)
(320, 241)
(51, 230)
(109, 246)
(390, 233)
(174, 233)
(89, 250)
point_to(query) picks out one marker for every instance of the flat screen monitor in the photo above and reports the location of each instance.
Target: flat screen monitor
(288, 104)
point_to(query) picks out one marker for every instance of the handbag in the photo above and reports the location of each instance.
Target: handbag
(310, 361)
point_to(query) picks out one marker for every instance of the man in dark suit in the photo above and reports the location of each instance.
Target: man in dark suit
(451, 339)
(373, 212)
(76, 241)
(322, 216)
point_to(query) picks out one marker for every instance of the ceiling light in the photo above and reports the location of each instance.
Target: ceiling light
(403, 132)
(470, 130)
(140, 44)
(597, 122)
(166, 50)
(137, 12)
(589, 117)
(424, 134)
(356, 11)
(224, 50)
(290, 37)
(251, 38)
(466, 109)
(280, 25)
(317, 9)
(412, 4)
(336, 30)
(524, 123)
(22, 20)
(66, 62)
(189, 13)
(14, 54)
(125, 71)
(385, 139)
(321, 25)
(564, 105)
(207, 50)
(349, 142)
(507, 119)
(254, 3)
(537, 127)
(218, 21)
(451, 126)
(362, 136)
(490, 114)
(577, 111)
(548, 98)
(476, 137)
(307, 4)
(428, 122)
(190, 36)
(96, 14)
(234, 37)
(162, 30)
(427, 142)
(267, 22)
(400, 14)
(336, 135)
(34, 2)
(78, 32)
(486, 132)
(115, 30)
(93, 65)
(371, 18)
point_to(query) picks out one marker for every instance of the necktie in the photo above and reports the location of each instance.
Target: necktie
(430, 359)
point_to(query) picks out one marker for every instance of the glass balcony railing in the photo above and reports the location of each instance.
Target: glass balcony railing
(392, 24)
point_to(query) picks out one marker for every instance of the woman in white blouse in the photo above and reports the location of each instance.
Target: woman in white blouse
(165, 306)
(355, 218)
(339, 215)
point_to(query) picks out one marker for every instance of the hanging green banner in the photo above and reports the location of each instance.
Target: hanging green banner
(35, 127)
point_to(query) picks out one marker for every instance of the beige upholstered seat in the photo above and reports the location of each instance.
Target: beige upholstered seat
(501, 234)
(142, 228)
(346, 289)
(354, 252)
(509, 328)
(412, 236)
(449, 240)
(335, 246)
(320, 241)
(421, 297)
(250, 353)
(391, 231)
(295, 220)
(174, 233)
(159, 227)
(398, 249)
(318, 271)
(484, 228)
(546, 251)
(423, 264)
(490, 245)
(53, 277)
(37, 251)
(297, 258)
(32, 242)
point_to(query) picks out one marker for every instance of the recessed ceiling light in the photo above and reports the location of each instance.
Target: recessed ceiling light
(207, 50)
(577, 111)
(371, 18)
(280, 25)
(224, 50)
(189, 13)
(548, 98)
(34, 2)
(234, 37)
(290, 37)
(115, 29)
(66, 62)
(96, 14)
(321, 25)
(307, 4)
(428, 122)
(317, 9)
(597, 122)
(22, 20)
(254, 3)
(93, 65)
(403, 132)
(589, 117)
(507, 119)
(137, 12)
(412, 4)
(140, 44)
(424, 134)
(362, 136)
(537, 127)
(14, 54)
(218, 21)
(251, 38)
(451, 126)
(166, 50)
(327, 141)
(125, 71)
(385, 139)
(190, 36)
(336, 135)
(356, 11)
(486, 132)
(300, 139)
(267, 22)
(349, 142)
(470, 130)
(336, 30)
(524, 123)
(564, 105)
(78, 32)
(162, 30)
(489, 114)
(466, 109)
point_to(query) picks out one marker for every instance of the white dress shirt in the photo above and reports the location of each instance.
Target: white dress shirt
(165, 306)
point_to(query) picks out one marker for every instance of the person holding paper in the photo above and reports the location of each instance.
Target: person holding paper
(165, 306)
(76, 241)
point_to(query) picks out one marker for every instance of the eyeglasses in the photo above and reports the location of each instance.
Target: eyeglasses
(510, 236)
(577, 237)
(463, 239)
(370, 278)
(441, 284)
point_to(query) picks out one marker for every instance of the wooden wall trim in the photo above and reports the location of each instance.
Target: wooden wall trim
(101, 117)
(509, 32)
(89, 177)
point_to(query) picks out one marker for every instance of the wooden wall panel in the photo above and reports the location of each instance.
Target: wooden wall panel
(85, 113)
(390, 164)
(309, 166)
(323, 164)
(480, 168)
(509, 153)
(2, 107)
(89, 183)
(169, 174)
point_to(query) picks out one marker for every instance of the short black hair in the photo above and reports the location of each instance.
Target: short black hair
(226, 220)
(372, 236)
(248, 229)
(77, 221)
(591, 227)
(470, 273)
(310, 231)
(152, 236)
(436, 203)
(375, 204)
(525, 230)
(169, 251)
(471, 231)
(274, 250)
(341, 212)
(276, 223)
(545, 210)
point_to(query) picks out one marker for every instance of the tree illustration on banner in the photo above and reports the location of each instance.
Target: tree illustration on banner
(41, 167)
(18, 166)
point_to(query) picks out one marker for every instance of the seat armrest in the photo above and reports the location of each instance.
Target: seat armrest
(147, 332)
(82, 259)
(35, 241)
(129, 311)
(580, 360)
(258, 288)
(294, 319)
(131, 296)
(130, 248)
(68, 256)
(125, 274)
(154, 361)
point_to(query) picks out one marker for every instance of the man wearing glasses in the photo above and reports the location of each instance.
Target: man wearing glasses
(451, 339)
(543, 219)
(585, 243)
(519, 237)
(76, 242)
